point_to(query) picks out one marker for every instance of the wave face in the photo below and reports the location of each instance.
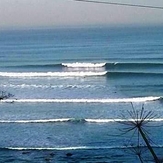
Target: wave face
(52, 74)
(83, 65)
(123, 100)
(132, 73)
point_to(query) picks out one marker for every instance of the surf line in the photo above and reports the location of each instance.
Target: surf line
(52, 74)
(74, 148)
(73, 120)
(121, 100)
(65, 148)
(83, 65)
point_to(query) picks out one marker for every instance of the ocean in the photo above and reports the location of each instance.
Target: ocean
(71, 87)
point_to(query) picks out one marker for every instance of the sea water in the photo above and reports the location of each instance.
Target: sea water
(71, 87)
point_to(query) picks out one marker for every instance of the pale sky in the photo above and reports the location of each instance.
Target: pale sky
(51, 13)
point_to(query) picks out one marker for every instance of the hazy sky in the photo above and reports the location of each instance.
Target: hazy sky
(49, 13)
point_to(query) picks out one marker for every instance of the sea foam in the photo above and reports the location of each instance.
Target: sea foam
(75, 148)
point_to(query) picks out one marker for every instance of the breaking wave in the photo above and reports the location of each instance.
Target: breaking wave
(74, 120)
(93, 65)
(84, 65)
(111, 74)
(108, 100)
(73, 148)
(52, 74)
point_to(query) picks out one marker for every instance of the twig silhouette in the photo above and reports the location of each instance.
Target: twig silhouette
(137, 122)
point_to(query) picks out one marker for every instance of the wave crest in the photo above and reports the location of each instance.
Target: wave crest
(83, 65)
(121, 100)
(74, 148)
(76, 120)
(52, 74)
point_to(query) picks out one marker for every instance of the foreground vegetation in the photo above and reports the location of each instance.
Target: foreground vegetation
(137, 124)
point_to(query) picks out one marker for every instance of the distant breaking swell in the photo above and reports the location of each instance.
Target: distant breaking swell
(73, 148)
(73, 120)
(121, 100)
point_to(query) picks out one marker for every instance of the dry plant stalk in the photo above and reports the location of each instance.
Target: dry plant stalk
(137, 122)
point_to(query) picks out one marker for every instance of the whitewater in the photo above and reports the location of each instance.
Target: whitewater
(125, 100)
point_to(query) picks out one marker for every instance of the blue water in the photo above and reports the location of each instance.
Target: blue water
(65, 106)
